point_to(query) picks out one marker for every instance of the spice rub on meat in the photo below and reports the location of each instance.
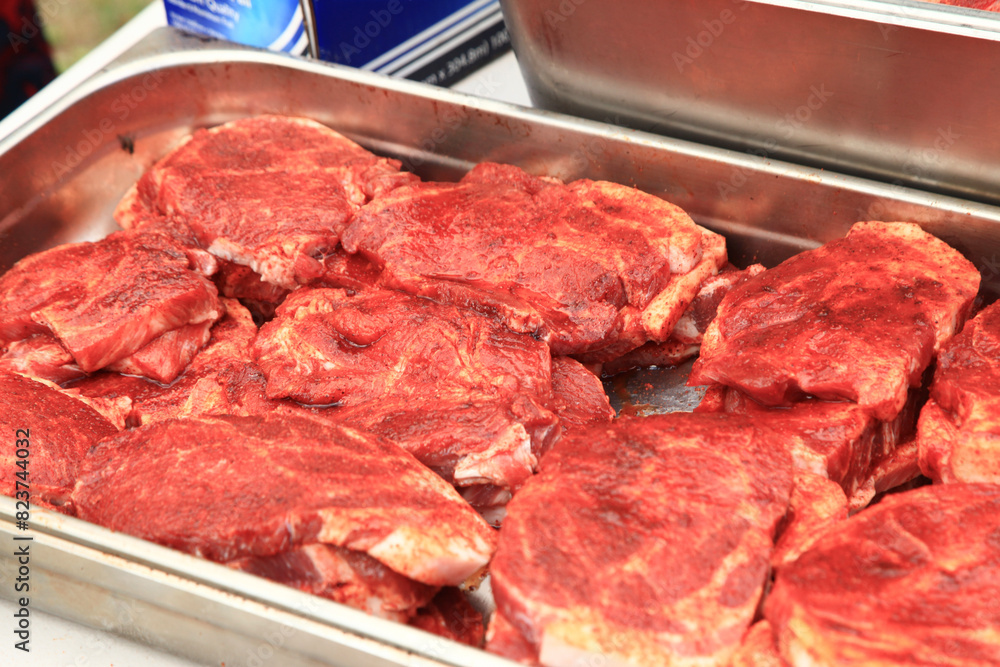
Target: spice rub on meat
(57, 430)
(268, 487)
(468, 397)
(220, 380)
(913, 580)
(857, 319)
(273, 193)
(583, 266)
(134, 300)
(959, 429)
(644, 542)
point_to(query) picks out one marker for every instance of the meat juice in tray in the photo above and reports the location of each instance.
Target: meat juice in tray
(737, 452)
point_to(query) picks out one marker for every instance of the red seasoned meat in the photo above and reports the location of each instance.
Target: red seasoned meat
(106, 301)
(344, 576)
(241, 282)
(465, 395)
(504, 639)
(661, 355)
(858, 319)
(834, 439)
(165, 357)
(685, 339)
(220, 380)
(450, 615)
(913, 580)
(580, 400)
(272, 193)
(959, 435)
(40, 356)
(263, 486)
(59, 429)
(645, 542)
(815, 505)
(583, 266)
(694, 322)
(758, 649)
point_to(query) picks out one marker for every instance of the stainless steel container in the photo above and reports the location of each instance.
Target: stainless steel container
(63, 172)
(899, 90)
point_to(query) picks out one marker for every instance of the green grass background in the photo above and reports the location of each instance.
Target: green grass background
(74, 27)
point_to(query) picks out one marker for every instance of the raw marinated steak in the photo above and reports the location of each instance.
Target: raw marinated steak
(580, 400)
(106, 301)
(645, 542)
(450, 615)
(504, 639)
(815, 505)
(271, 192)
(913, 580)
(959, 435)
(685, 339)
(344, 576)
(220, 380)
(59, 431)
(40, 356)
(468, 397)
(264, 486)
(582, 266)
(834, 439)
(241, 282)
(758, 649)
(858, 319)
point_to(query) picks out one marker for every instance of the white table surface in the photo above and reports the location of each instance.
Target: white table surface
(56, 642)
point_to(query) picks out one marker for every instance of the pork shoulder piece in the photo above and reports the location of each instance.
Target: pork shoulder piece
(261, 298)
(913, 580)
(450, 615)
(331, 346)
(670, 353)
(580, 400)
(468, 397)
(273, 193)
(815, 505)
(504, 639)
(344, 576)
(59, 430)
(758, 648)
(42, 357)
(857, 319)
(165, 357)
(562, 262)
(220, 380)
(105, 301)
(467, 442)
(959, 434)
(263, 486)
(685, 339)
(646, 541)
(834, 439)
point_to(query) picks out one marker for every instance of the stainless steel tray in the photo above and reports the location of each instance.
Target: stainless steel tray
(899, 90)
(62, 173)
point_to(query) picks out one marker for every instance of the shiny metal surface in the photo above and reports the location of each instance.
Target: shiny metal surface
(902, 91)
(200, 610)
(62, 173)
